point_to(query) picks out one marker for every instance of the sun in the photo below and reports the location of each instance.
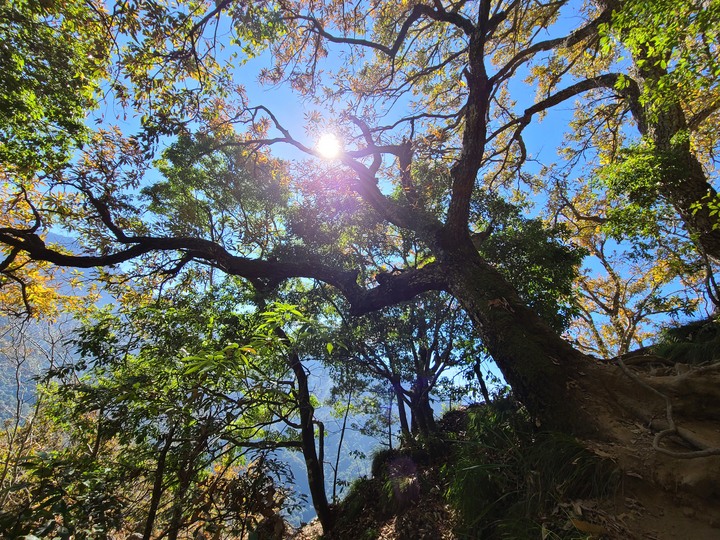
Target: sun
(329, 146)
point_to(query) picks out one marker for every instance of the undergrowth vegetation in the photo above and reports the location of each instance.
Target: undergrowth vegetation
(505, 480)
(696, 342)
(493, 472)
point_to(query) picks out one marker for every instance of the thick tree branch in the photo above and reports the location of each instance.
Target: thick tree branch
(451, 17)
(392, 289)
(261, 445)
(367, 135)
(465, 170)
(219, 6)
(396, 288)
(608, 80)
(14, 252)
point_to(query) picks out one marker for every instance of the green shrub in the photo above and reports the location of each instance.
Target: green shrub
(362, 496)
(505, 477)
(697, 342)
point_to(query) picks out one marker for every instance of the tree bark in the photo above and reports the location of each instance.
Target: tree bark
(686, 186)
(545, 372)
(481, 381)
(688, 190)
(158, 485)
(402, 413)
(422, 416)
(316, 478)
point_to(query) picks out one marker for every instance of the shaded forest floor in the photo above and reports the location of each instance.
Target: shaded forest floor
(489, 474)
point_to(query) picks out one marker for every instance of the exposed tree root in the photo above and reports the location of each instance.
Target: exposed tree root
(702, 450)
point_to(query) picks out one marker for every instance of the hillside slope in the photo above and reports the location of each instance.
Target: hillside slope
(490, 472)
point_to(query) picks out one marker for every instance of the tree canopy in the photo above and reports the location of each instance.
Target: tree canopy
(442, 185)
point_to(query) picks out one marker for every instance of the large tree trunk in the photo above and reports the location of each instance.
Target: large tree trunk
(422, 416)
(545, 372)
(481, 381)
(402, 413)
(691, 195)
(685, 184)
(601, 402)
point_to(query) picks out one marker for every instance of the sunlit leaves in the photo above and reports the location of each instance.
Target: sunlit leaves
(29, 287)
(674, 41)
(641, 268)
(640, 171)
(257, 24)
(182, 388)
(51, 57)
(539, 260)
(214, 191)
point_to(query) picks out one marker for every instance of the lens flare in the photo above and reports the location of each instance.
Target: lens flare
(329, 146)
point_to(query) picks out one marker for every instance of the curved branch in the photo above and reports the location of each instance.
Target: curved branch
(14, 252)
(367, 135)
(317, 26)
(395, 288)
(566, 41)
(416, 13)
(219, 6)
(607, 80)
(699, 117)
(392, 288)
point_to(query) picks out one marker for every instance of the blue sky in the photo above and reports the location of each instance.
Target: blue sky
(542, 137)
